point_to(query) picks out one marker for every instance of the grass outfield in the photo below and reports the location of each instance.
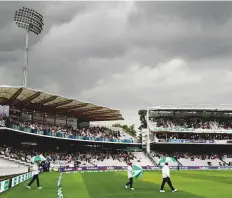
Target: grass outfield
(191, 184)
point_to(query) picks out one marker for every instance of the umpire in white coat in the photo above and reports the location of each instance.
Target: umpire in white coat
(35, 172)
(166, 178)
(130, 176)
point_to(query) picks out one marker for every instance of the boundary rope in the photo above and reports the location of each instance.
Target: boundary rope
(59, 191)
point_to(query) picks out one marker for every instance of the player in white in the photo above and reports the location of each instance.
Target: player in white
(35, 172)
(166, 178)
(130, 176)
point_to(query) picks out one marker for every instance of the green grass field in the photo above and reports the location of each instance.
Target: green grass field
(190, 184)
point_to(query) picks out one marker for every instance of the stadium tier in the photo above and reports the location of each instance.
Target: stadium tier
(196, 135)
(193, 137)
(85, 158)
(31, 119)
(190, 124)
(52, 108)
(39, 113)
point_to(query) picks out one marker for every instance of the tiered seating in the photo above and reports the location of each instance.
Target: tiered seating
(10, 167)
(100, 158)
(109, 162)
(228, 160)
(192, 122)
(158, 156)
(142, 159)
(124, 135)
(61, 163)
(199, 162)
(193, 136)
(94, 133)
(188, 159)
(138, 158)
(15, 155)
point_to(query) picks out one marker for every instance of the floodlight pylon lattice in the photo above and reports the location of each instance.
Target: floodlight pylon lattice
(31, 21)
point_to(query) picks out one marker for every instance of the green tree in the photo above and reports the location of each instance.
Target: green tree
(128, 129)
(142, 116)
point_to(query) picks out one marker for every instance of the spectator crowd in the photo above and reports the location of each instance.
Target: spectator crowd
(85, 157)
(66, 131)
(93, 158)
(194, 122)
(219, 158)
(178, 155)
(194, 136)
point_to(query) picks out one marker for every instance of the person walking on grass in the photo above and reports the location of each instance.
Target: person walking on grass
(35, 172)
(130, 176)
(166, 178)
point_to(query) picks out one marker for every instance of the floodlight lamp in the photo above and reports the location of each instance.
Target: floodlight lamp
(32, 21)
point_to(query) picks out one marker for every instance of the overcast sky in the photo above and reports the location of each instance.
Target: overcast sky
(124, 55)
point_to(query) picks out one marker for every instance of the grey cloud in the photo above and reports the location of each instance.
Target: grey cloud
(199, 29)
(54, 13)
(85, 45)
(208, 13)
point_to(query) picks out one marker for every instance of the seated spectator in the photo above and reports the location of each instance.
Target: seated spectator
(192, 122)
(101, 133)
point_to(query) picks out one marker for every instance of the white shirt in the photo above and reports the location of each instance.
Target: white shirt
(129, 172)
(35, 169)
(165, 171)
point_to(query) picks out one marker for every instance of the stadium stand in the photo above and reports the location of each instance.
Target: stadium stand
(183, 128)
(187, 159)
(10, 168)
(227, 159)
(123, 135)
(192, 123)
(196, 135)
(10, 163)
(86, 133)
(41, 113)
(107, 158)
(119, 158)
(191, 136)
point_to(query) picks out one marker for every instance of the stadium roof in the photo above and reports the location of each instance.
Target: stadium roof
(30, 99)
(189, 107)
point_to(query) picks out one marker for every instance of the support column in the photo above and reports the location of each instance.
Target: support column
(43, 118)
(55, 119)
(32, 116)
(148, 141)
(25, 69)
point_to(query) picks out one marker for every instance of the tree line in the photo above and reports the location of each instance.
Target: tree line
(131, 129)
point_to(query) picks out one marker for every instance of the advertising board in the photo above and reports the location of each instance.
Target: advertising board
(121, 168)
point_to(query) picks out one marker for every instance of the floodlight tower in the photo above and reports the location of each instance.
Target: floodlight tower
(32, 21)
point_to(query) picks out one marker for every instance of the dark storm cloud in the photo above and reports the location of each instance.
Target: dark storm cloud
(12, 40)
(198, 30)
(11, 36)
(54, 13)
(141, 32)
(123, 54)
(203, 12)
